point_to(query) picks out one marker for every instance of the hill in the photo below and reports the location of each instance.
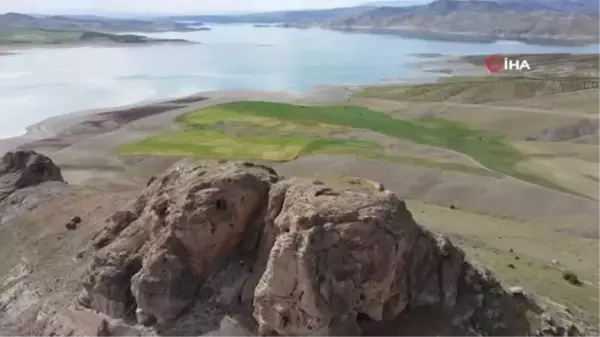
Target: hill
(491, 19)
(583, 6)
(557, 21)
(278, 16)
(88, 23)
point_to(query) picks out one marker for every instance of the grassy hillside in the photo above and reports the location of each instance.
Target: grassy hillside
(85, 23)
(242, 131)
(282, 132)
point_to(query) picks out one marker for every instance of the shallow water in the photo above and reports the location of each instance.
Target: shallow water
(40, 83)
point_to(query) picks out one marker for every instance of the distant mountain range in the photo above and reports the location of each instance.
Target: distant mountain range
(278, 16)
(555, 5)
(22, 29)
(581, 6)
(557, 21)
(88, 23)
(575, 20)
(415, 6)
(395, 3)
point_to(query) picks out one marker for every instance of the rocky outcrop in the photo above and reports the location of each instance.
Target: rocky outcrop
(551, 327)
(339, 254)
(170, 237)
(27, 178)
(286, 257)
(22, 169)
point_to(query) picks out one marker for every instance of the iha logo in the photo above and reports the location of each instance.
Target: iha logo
(496, 63)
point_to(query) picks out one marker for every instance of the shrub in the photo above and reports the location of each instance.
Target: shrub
(571, 277)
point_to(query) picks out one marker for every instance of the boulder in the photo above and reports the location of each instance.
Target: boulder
(22, 169)
(27, 179)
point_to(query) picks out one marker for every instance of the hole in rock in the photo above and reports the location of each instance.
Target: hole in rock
(285, 320)
(362, 318)
(221, 205)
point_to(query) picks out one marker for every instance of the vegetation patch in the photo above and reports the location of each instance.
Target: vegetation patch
(214, 144)
(487, 89)
(289, 131)
(37, 36)
(487, 148)
(572, 278)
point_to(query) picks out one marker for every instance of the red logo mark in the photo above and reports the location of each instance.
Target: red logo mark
(494, 63)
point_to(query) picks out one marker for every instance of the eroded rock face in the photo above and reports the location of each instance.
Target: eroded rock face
(22, 169)
(27, 179)
(163, 245)
(288, 257)
(341, 254)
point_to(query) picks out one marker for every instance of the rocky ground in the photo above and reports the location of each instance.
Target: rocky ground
(233, 248)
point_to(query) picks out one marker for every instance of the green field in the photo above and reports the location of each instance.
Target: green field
(266, 138)
(488, 149)
(37, 36)
(214, 144)
(282, 132)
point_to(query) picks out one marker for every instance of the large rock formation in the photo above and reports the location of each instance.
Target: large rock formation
(285, 257)
(27, 178)
(341, 254)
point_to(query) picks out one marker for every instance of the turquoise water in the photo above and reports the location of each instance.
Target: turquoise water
(40, 83)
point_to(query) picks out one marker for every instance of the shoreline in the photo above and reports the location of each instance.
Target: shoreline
(73, 127)
(70, 125)
(77, 125)
(51, 127)
(454, 36)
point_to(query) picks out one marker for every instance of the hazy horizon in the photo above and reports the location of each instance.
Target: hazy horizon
(173, 7)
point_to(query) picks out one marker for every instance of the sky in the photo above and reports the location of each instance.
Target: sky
(165, 6)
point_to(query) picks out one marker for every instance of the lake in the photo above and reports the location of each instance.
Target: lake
(39, 83)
